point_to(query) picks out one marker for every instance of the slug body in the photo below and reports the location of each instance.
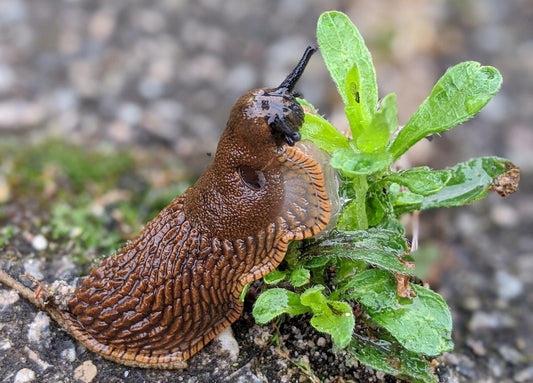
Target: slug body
(166, 294)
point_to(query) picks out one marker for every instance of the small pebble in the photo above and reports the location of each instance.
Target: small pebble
(8, 297)
(511, 354)
(321, 341)
(524, 263)
(39, 328)
(504, 215)
(484, 320)
(496, 367)
(35, 358)
(33, 267)
(12, 12)
(19, 114)
(471, 303)
(5, 345)
(150, 88)
(130, 113)
(508, 286)
(244, 375)
(69, 354)
(39, 242)
(86, 372)
(24, 375)
(477, 347)
(525, 375)
(229, 344)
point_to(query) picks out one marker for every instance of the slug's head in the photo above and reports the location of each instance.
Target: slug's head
(271, 114)
(259, 177)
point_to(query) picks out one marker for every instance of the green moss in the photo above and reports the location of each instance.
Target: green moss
(6, 234)
(92, 200)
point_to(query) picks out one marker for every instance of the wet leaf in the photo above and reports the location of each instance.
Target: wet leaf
(469, 182)
(329, 316)
(353, 164)
(422, 324)
(322, 133)
(274, 277)
(376, 135)
(277, 301)
(299, 277)
(388, 357)
(459, 94)
(349, 63)
(379, 247)
(421, 180)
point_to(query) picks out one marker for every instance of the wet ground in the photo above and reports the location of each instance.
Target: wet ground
(159, 77)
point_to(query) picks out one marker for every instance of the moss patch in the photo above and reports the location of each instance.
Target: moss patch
(89, 200)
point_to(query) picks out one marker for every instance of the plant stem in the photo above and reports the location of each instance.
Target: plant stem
(360, 187)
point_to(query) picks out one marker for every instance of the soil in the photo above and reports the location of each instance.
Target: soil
(159, 78)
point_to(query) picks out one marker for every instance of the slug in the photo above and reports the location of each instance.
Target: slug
(170, 291)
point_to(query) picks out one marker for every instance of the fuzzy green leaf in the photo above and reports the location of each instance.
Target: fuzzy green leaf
(392, 359)
(469, 182)
(322, 133)
(348, 216)
(329, 316)
(421, 180)
(355, 164)
(344, 49)
(274, 277)
(299, 277)
(379, 247)
(274, 302)
(375, 137)
(358, 113)
(460, 93)
(422, 324)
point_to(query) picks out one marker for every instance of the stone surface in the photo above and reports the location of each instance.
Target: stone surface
(163, 76)
(24, 375)
(86, 372)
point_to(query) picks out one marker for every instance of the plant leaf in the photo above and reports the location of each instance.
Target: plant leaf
(422, 324)
(322, 133)
(277, 301)
(392, 359)
(343, 49)
(379, 247)
(359, 114)
(469, 181)
(421, 180)
(460, 93)
(355, 164)
(376, 135)
(274, 277)
(332, 317)
(299, 277)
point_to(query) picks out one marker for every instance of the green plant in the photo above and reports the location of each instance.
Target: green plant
(405, 323)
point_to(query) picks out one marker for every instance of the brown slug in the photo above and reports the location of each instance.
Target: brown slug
(166, 294)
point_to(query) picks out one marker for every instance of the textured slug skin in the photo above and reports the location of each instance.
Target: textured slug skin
(166, 294)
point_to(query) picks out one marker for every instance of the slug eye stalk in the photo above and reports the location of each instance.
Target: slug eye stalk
(288, 84)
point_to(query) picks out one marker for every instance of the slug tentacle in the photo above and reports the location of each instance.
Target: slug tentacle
(291, 80)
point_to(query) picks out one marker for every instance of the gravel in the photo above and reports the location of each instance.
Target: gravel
(164, 74)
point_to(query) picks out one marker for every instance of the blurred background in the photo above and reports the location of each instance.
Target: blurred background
(162, 75)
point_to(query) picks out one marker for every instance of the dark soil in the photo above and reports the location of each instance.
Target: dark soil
(158, 78)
